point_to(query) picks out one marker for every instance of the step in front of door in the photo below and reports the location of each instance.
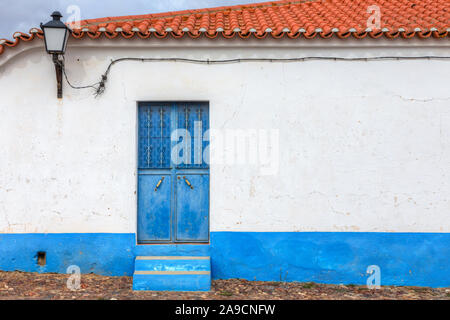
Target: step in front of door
(172, 273)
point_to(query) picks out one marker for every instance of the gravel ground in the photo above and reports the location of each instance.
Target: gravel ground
(21, 285)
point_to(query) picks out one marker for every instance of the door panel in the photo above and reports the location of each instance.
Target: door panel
(154, 136)
(192, 201)
(194, 117)
(154, 209)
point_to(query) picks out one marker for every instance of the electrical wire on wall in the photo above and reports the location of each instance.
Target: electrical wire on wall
(99, 87)
(94, 86)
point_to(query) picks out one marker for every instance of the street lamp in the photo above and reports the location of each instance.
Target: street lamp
(56, 34)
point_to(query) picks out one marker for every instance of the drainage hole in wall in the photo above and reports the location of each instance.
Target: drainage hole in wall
(41, 258)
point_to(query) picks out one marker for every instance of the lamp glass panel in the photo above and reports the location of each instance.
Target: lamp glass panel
(54, 39)
(65, 40)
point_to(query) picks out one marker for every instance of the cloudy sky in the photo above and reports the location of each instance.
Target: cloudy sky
(21, 15)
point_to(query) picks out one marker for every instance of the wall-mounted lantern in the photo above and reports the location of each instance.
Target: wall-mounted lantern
(56, 34)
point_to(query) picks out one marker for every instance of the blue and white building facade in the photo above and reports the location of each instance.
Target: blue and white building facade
(307, 170)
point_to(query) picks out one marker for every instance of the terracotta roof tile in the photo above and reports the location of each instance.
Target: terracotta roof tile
(293, 19)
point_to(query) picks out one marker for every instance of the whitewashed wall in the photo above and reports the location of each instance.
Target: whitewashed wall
(364, 146)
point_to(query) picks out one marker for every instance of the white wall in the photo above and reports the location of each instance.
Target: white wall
(364, 146)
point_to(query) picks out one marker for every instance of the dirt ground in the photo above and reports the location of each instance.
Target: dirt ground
(21, 285)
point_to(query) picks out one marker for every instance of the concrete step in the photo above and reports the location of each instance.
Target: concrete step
(172, 273)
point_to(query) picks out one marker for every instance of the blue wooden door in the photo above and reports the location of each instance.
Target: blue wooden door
(173, 173)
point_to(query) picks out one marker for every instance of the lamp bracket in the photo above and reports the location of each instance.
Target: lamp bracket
(59, 65)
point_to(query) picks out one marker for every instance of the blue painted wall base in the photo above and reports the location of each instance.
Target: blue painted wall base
(413, 259)
(417, 259)
(110, 254)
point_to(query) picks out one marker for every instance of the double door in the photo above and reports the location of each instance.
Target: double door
(173, 172)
